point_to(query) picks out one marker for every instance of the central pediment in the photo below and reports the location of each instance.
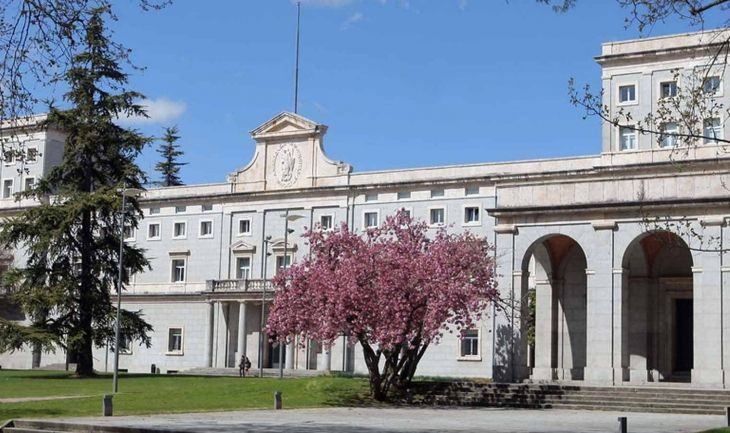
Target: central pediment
(289, 155)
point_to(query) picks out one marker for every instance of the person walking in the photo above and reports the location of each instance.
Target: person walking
(244, 366)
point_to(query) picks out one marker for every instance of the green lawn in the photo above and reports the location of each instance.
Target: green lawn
(144, 394)
(718, 430)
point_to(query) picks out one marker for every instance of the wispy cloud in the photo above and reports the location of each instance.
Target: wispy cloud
(325, 3)
(352, 20)
(463, 4)
(159, 111)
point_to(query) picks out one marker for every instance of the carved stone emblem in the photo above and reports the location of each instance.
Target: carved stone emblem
(287, 164)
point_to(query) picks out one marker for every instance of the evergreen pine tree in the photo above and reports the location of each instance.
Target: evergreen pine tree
(169, 167)
(71, 238)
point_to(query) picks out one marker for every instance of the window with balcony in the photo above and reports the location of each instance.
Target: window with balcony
(243, 268)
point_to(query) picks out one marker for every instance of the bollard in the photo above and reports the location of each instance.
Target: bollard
(727, 416)
(106, 406)
(622, 425)
(277, 400)
(153, 369)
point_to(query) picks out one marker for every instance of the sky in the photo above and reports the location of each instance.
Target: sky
(400, 83)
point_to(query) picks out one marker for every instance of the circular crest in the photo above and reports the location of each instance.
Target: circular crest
(287, 164)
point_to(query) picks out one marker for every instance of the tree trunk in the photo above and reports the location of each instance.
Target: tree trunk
(85, 359)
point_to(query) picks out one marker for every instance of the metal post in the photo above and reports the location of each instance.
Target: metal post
(263, 307)
(106, 406)
(286, 245)
(115, 380)
(277, 400)
(622, 425)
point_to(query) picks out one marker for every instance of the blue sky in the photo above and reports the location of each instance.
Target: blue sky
(400, 83)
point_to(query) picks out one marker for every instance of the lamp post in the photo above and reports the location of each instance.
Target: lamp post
(287, 218)
(125, 192)
(266, 254)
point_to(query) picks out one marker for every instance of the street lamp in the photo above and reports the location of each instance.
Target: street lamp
(287, 230)
(125, 192)
(266, 254)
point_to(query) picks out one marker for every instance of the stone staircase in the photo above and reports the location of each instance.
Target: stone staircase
(38, 426)
(535, 396)
(268, 372)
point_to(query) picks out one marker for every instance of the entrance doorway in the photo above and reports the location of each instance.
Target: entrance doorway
(274, 349)
(683, 344)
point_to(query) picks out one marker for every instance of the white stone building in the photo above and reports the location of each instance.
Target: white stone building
(617, 300)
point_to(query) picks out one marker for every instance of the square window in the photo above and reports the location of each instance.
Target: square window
(406, 211)
(371, 196)
(470, 344)
(7, 188)
(125, 345)
(29, 183)
(180, 209)
(153, 231)
(175, 340)
(627, 93)
(206, 229)
(437, 216)
(471, 215)
(179, 230)
(668, 89)
(669, 137)
(243, 268)
(627, 137)
(280, 262)
(370, 219)
(178, 270)
(404, 195)
(9, 156)
(326, 221)
(244, 227)
(206, 207)
(712, 129)
(711, 85)
(437, 192)
(154, 210)
(128, 233)
(471, 190)
(31, 155)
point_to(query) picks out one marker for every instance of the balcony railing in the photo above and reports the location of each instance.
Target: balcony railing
(239, 286)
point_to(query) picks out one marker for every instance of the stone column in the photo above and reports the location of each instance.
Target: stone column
(504, 321)
(241, 331)
(707, 311)
(603, 308)
(209, 335)
(543, 369)
(289, 363)
(220, 338)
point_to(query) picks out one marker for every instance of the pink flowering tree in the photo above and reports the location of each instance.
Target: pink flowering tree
(394, 290)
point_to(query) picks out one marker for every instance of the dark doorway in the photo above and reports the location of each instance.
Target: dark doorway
(274, 349)
(683, 336)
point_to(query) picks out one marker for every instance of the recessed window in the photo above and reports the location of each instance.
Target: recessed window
(178, 270)
(154, 210)
(711, 85)
(243, 268)
(370, 219)
(437, 216)
(471, 190)
(471, 215)
(9, 156)
(153, 231)
(179, 230)
(437, 192)
(125, 345)
(404, 195)
(668, 137)
(668, 89)
(7, 188)
(128, 233)
(627, 93)
(371, 196)
(31, 155)
(326, 221)
(280, 262)
(406, 211)
(175, 341)
(627, 138)
(712, 130)
(29, 183)
(244, 227)
(470, 344)
(206, 229)
(206, 207)
(180, 209)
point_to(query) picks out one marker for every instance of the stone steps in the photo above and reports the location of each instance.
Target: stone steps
(620, 399)
(268, 372)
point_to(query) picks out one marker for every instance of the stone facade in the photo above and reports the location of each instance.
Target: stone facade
(618, 299)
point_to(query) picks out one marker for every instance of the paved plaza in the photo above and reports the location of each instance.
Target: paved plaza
(396, 420)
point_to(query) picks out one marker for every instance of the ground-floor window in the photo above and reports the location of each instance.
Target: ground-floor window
(175, 341)
(470, 344)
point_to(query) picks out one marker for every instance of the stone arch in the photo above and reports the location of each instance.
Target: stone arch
(554, 279)
(657, 310)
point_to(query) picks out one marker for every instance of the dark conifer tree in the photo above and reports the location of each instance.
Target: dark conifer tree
(71, 238)
(170, 165)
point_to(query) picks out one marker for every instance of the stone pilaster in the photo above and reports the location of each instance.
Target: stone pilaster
(242, 331)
